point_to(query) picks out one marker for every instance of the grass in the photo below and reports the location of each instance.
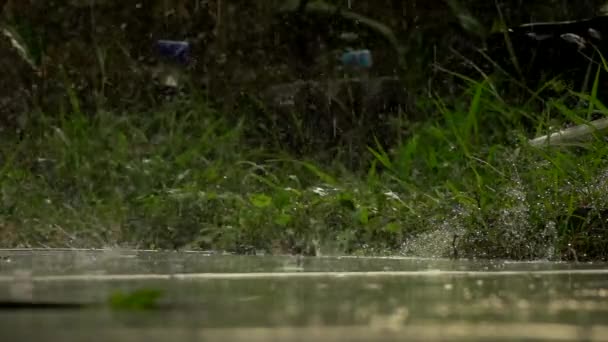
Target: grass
(465, 184)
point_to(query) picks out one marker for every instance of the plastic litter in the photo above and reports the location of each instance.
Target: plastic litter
(358, 58)
(174, 51)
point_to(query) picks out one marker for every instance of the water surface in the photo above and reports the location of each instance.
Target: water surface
(209, 297)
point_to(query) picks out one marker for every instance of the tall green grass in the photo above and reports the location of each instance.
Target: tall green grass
(509, 199)
(466, 183)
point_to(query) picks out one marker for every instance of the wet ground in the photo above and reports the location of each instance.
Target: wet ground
(66, 296)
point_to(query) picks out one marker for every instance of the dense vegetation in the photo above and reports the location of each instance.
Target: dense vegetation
(97, 152)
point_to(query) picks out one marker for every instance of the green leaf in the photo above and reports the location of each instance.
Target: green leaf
(363, 215)
(146, 299)
(347, 202)
(594, 89)
(474, 109)
(283, 219)
(325, 177)
(392, 228)
(381, 155)
(260, 200)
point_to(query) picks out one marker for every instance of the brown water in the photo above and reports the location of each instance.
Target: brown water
(247, 298)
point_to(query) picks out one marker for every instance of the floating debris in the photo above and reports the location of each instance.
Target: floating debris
(175, 55)
(358, 58)
(174, 51)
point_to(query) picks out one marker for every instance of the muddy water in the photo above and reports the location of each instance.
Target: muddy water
(207, 297)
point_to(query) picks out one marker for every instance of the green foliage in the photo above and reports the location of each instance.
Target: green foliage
(184, 174)
(182, 178)
(145, 299)
(513, 200)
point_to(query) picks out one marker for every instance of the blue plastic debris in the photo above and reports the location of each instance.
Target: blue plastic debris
(358, 58)
(174, 50)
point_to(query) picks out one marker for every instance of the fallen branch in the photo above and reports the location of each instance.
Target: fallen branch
(571, 134)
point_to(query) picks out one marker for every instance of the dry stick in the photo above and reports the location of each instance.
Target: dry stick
(571, 134)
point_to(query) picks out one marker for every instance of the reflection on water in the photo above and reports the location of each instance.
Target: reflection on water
(233, 298)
